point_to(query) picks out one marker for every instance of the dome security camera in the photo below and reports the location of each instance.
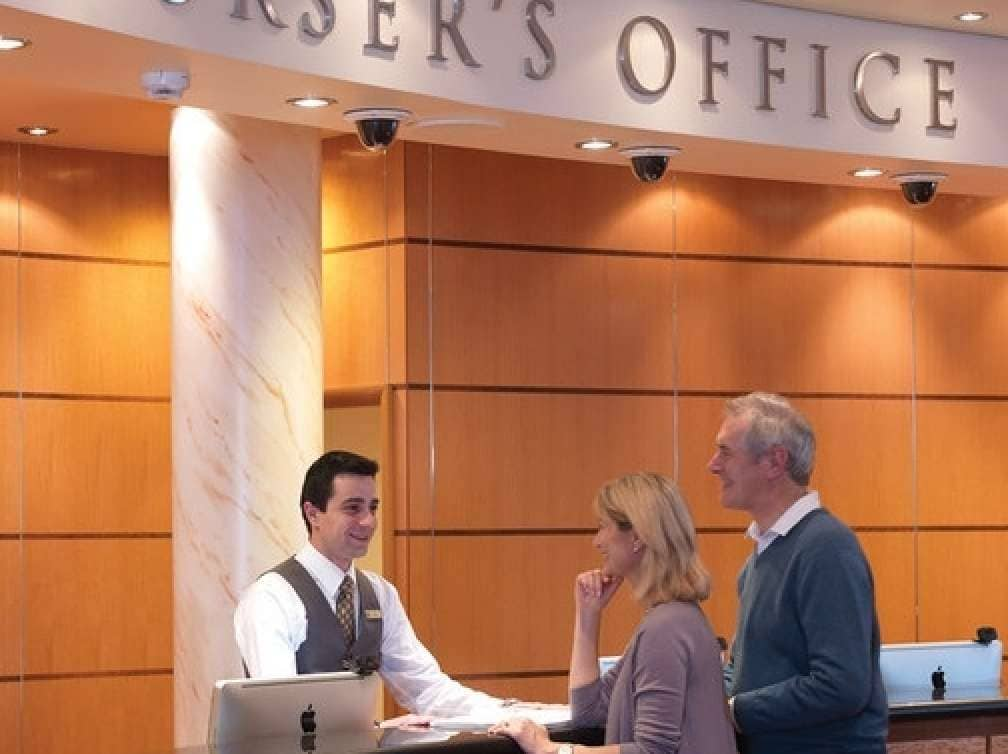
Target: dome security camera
(919, 189)
(649, 163)
(377, 126)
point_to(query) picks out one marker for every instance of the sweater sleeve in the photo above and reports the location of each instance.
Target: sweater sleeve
(836, 615)
(660, 673)
(590, 703)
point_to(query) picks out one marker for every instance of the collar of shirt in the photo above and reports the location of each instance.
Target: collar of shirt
(787, 521)
(327, 574)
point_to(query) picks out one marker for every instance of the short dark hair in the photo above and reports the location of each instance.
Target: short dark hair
(317, 487)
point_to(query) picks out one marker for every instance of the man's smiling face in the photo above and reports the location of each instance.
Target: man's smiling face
(343, 531)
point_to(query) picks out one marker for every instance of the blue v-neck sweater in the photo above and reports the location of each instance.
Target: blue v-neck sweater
(806, 672)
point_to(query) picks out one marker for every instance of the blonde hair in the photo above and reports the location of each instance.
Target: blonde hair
(653, 507)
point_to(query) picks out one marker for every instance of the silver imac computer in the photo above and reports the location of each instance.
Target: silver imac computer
(322, 703)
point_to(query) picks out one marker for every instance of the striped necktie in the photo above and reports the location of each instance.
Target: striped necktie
(345, 613)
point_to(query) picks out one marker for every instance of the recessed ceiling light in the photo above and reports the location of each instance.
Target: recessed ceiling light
(866, 172)
(971, 16)
(38, 130)
(596, 145)
(311, 102)
(8, 44)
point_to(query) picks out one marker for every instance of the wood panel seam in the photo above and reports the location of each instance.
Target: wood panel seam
(127, 673)
(64, 257)
(679, 254)
(44, 536)
(376, 245)
(655, 392)
(579, 532)
(107, 398)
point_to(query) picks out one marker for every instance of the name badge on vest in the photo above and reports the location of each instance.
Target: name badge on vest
(372, 614)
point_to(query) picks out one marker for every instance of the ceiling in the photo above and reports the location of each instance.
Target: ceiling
(934, 14)
(101, 106)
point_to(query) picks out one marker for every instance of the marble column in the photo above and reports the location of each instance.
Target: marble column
(247, 413)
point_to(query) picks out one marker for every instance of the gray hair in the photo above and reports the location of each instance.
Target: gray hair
(777, 422)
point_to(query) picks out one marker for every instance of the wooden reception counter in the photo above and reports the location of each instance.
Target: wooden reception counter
(919, 716)
(962, 713)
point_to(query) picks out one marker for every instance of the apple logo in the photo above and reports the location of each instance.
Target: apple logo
(308, 720)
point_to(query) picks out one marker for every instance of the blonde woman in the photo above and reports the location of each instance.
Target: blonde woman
(666, 693)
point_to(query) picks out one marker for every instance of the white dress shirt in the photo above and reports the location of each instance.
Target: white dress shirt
(270, 624)
(787, 521)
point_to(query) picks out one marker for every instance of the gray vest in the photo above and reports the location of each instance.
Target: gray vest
(324, 649)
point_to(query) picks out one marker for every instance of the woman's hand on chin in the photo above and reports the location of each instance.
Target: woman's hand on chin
(533, 738)
(593, 590)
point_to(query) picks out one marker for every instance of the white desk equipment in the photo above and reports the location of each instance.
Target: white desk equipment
(951, 664)
(247, 709)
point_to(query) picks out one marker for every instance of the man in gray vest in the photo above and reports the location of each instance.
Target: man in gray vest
(804, 672)
(316, 612)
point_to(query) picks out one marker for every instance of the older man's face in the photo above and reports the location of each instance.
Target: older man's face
(742, 475)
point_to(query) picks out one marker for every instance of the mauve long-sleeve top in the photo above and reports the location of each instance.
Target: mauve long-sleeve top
(666, 694)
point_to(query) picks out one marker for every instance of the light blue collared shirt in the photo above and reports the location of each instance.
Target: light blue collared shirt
(787, 521)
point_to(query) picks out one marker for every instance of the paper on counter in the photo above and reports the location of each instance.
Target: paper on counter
(551, 716)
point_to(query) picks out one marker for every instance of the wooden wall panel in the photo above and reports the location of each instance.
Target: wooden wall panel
(112, 459)
(11, 603)
(737, 216)
(532, 461)
(506, 604)
(10, 717)
(362, 193)
(95, 204)
(400, 443)
(95, 328)
(963, 581)
(10, 466)
(98, 605)
(863, 460)
(534, 318)
(793, 328)
(962, 230)
(962, 326)
(418, 278)
(398, 312)
(417, 190)
(891, 555)
(8, 196)
(723, 554)
(960, 462)
(355, 318)
(552, 689)
(8, 323)
(531, 201)
(120, 715)
(864, 464)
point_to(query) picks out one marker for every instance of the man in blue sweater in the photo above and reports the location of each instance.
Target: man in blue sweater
(804, 672)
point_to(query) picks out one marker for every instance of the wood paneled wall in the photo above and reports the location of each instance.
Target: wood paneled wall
(550, 324)
(85, 505)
